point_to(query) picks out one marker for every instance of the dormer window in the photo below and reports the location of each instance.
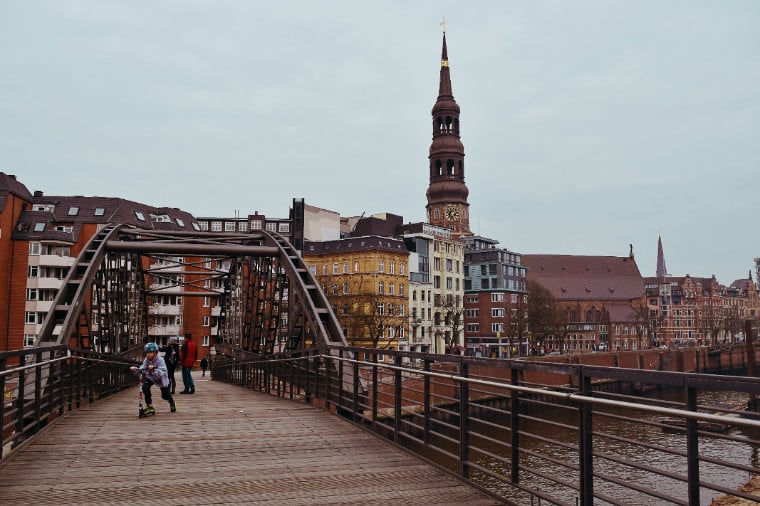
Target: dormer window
(73, 211)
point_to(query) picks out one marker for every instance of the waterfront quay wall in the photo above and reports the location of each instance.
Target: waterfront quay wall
(444, 391)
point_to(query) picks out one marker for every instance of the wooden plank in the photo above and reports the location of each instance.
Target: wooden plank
(224, 445)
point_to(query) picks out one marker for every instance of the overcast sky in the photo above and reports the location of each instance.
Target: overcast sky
(587, 125)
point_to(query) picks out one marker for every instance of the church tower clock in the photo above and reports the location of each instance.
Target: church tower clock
(447, 194)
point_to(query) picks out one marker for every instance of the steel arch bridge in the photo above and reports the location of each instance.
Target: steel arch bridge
(269, 301)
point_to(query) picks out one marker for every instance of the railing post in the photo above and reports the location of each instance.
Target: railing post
(21, 398)
(515, 425)
(340, 378)
(397, 392)
(328, 381)
(355, 385)
(692, 445)
(38, 389)
(426, 393)
(464, 422)
(586, 442)
(2, 403)
(374, 388)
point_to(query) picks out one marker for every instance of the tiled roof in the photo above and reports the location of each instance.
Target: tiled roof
(620, 313)
(9, 185)
(365, 243)
(76, 211)
(572, 277)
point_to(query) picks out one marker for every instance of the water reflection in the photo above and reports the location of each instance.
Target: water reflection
(617, 440)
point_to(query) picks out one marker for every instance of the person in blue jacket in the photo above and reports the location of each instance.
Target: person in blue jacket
(155, 371)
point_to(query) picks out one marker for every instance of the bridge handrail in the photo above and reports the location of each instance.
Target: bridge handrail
(448, 405)
(40, 385)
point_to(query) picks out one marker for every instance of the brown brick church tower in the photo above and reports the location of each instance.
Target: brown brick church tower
(447, 194)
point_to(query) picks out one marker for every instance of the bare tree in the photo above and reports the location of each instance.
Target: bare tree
(452, 312)
(544, 317)
(641, 320)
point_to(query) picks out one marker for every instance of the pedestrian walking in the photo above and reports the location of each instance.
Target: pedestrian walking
(188, 354)
(204, 365)
(171, 357)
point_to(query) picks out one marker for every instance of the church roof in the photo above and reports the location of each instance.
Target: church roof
(575, 277)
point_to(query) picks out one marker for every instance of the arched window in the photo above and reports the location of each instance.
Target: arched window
(571, 314)
(450, 167)
(448, 123)
(438, 168)
(440, 124)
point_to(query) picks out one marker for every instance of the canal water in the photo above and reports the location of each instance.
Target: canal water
(746, 452)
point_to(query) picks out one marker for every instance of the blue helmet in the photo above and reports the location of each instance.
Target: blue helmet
(150, 347)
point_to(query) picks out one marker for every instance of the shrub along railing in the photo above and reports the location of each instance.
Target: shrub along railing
(40, 385)
(529, 431)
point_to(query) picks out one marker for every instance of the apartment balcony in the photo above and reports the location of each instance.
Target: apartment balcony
(216, 311)
(165, 309)
(214, 331)
(49, 283)
(164, 330)
(38, 306)
(56, 261)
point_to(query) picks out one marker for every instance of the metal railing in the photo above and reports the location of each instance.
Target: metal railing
(40, 385)
(535, 433)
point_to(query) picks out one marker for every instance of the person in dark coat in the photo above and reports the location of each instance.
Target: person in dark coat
(171, 357)
(204, 365)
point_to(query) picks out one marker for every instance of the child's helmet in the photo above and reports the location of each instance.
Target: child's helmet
(150, 347)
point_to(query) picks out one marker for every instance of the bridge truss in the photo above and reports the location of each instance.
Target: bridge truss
(267, 299)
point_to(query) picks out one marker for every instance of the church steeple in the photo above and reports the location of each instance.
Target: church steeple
(447, 193)
(662, 271)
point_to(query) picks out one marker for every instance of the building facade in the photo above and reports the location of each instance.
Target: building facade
(495, 300)
(365, 281)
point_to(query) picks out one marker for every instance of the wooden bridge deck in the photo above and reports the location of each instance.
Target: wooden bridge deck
(224, 445)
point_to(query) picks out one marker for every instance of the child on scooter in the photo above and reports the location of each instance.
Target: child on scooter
(155, 371)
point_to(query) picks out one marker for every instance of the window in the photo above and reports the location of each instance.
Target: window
(180, 223)
(473, 327)
(204, 226)
(206, 301)
(345, 288)
(391, 309)
(229, 226)
(73, 211)
(33, 271)
(471, 313)
(401, 289)
(381, 308)
(196, 226)
(497, 312)
(243, 226)
(401, 269)
(449, 264)
(100, 211)
(497, 297)
(497, 327)
(216, 226)
(31, 294)
(335, 268)
(206, 321)
(345, 267)
(391, 288)
(381, 288)
(255, 224)
(324, 269)
(39, 227)
(392, 267)
(313, 269)
(30, 317)
(205, 341)
(271, 227)
(29, 340)
(140, 216)
(449, 283)
(514, 298)
(284, 228)
(401, 309)
(382, 266)
(34, 248)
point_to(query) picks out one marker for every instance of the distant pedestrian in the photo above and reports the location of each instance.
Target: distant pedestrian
(204, 365)
(188, 354)
(171, 357)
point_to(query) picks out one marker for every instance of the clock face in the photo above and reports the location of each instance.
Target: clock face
(451, 213)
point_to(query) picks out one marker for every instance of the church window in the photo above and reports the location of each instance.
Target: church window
(450, 167)
(438, 168)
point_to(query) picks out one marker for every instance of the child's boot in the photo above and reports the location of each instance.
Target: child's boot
(149, 411)
(173, 407)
